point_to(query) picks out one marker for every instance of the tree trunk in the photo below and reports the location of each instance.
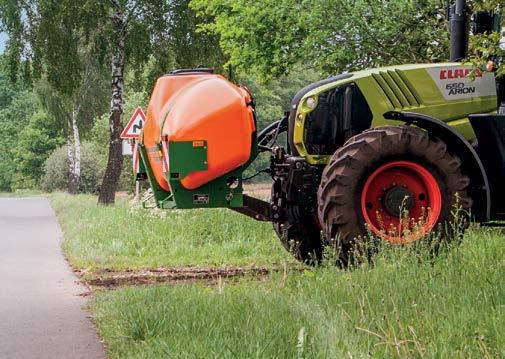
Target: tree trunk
(72, 182)
(115, 160)
(74, 153)
(77, 148)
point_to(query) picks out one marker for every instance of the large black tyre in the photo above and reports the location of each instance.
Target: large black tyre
(340, 205)
(302, 239)
(300, 234)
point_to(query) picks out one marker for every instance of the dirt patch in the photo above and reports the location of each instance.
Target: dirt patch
(124, 195)
(110, 279)
(258, 190)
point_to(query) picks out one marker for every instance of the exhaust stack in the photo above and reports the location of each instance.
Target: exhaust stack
(459, 30)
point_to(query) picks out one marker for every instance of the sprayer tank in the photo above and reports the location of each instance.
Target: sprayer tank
(199, 107)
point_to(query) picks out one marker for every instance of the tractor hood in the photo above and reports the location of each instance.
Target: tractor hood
(356, 101)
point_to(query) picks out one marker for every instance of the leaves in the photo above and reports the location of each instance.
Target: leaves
(331, 35)
(16, 108)
(484, 48)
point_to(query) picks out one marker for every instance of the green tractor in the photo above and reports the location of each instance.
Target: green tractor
(384, 153)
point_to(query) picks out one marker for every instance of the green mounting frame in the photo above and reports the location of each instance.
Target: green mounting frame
(189, 156)
(160, 195)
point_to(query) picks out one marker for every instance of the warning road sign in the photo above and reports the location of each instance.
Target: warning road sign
(135, 125)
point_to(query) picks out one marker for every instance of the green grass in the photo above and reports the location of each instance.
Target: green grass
(406, 305)
(121, 237)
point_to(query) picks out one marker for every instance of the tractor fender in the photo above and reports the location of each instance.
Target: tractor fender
(471, 164)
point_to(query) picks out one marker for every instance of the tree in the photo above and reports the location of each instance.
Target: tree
(330, 35)
(75, 112)
(142, 30)
(36, 141)
(17, 105)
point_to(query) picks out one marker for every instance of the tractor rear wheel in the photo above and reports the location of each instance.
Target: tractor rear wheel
(393, 182)
(301, 238)
(299, 233)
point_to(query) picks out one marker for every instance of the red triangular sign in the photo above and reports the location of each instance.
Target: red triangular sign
(135, 125)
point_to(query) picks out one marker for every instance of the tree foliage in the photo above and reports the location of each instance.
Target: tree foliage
(17, 105)
(35, 143)
(47, 36)
(331, 35)
(488, 47)
(65, 50)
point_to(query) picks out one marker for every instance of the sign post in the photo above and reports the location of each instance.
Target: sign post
(130, 135)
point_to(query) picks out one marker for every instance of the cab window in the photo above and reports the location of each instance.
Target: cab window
(341, 113)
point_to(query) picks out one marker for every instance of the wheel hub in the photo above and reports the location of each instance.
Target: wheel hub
(401, 201)
(398, 200)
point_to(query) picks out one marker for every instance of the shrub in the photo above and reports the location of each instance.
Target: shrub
(127, 179)
(56, 170)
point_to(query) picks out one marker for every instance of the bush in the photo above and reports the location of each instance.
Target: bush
(127, 178)
(56, 170)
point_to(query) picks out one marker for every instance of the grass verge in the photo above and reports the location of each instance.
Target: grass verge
(406, 305)
(126, 237)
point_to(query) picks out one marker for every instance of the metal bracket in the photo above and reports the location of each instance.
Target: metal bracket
(255, 208)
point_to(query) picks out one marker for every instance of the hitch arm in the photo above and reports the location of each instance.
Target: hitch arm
(255, 208)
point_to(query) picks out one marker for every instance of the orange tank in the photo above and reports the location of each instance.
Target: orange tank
(193, 106)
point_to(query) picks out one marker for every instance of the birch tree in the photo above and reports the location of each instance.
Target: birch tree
(141, 30)
(76, 113)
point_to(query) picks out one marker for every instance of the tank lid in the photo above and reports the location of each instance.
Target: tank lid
(199, 70)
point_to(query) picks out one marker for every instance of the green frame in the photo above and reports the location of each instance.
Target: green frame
(186, 157)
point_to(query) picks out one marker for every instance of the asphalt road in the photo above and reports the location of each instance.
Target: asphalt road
(42, 311)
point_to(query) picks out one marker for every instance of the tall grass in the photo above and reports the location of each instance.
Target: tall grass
(123, 236)
(404, 304)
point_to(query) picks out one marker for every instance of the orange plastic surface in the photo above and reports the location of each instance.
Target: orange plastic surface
(195, 107)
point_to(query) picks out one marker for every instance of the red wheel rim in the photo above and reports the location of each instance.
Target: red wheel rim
(401, 201)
